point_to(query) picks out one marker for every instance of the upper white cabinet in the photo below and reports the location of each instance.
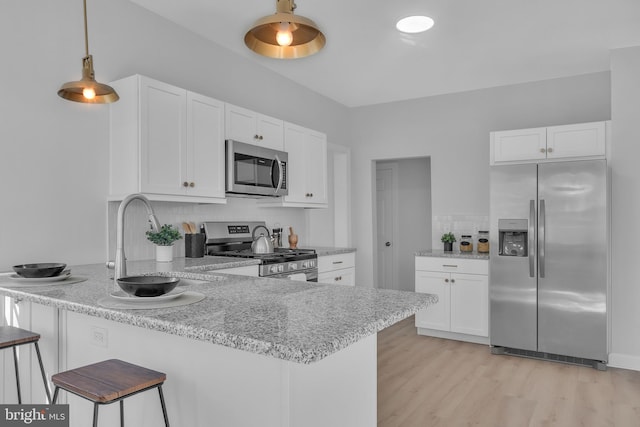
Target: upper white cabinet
(306, 169)
(307, 151)
(579, 141)
(166, 142)
(253, 128)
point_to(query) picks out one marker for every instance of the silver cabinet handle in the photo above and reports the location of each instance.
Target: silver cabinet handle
(450, 265)
(550, 150)
(542, 150)
(532, 239)
(337, 262)
(446, 280)
(280, 173)
(541, 236)
(453, 280)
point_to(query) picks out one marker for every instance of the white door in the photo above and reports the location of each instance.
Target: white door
(386, 179)
(469, 304)
(436, 316)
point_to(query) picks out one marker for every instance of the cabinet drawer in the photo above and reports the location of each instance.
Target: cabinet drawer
(453, 265)
(336, 262)
(344, 276)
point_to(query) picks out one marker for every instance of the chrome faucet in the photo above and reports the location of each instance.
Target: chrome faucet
(120, 264)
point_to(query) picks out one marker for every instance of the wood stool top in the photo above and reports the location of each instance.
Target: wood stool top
(108, 380)
(11, 336)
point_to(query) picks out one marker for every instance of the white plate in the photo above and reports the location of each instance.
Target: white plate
(123, 296)
(64, 275)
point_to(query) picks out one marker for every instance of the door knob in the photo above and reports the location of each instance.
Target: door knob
(388, 244)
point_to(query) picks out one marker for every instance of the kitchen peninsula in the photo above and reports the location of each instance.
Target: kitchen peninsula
(254, 351)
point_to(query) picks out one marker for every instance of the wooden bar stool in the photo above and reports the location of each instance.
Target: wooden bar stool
(13, 337)
(109, 381)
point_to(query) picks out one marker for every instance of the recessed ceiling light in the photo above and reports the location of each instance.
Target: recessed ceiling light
(414, 24)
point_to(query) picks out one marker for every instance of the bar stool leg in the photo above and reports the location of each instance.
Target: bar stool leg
(164, 407)
(95, 414)
(122, 413)
(55, 395)
(15, 364)
(44, 376)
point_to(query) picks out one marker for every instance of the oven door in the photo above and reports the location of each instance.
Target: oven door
(255, 170)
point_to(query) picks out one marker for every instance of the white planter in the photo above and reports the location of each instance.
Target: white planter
(164, 253)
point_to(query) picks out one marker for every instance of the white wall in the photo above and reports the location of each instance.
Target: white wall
(453, 130)
(625, 198)
(53, 170)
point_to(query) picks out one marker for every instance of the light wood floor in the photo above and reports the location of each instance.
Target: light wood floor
(424, 381)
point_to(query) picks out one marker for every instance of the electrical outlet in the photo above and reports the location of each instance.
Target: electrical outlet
(99, 336)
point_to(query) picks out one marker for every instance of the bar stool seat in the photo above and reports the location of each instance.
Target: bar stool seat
(110, 381)
(12, 337)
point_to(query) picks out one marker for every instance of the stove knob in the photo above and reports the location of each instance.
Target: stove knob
(281, 268)
(273, 269)
(293, 266)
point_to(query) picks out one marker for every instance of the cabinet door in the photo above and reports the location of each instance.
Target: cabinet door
(163, 111)
(205, 147)
(240, 124)
(435, 316)
(580, 140)
(271, 132)
(469, 304)
(518, 145)
(295, 145)
(317, 167)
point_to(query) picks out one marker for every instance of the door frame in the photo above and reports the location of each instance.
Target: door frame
(393, 166)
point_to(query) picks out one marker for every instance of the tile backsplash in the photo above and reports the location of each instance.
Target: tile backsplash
(137, 247)
(458, 224)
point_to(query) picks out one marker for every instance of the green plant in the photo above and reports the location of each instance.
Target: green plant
(448, 238)
(165, 236)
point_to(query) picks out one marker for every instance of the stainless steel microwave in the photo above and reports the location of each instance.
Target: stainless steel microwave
(255, 170)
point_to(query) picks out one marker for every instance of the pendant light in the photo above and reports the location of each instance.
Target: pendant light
(284, 35)
(87, 89)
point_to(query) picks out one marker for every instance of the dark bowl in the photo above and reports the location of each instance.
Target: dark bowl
(48, 269)
(147, 286)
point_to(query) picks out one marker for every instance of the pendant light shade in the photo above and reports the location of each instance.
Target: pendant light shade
(285, 35)
(87, 89)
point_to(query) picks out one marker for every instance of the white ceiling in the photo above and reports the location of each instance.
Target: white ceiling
(474, 43)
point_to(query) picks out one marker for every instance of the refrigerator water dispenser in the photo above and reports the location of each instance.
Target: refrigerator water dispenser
(512, 239)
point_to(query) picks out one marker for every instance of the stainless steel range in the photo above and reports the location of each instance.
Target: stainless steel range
(233, 239)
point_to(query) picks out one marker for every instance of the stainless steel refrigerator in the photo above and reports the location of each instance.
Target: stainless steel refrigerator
(549, 261)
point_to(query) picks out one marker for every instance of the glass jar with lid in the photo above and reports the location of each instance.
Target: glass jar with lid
(483, 242)
(466, 243)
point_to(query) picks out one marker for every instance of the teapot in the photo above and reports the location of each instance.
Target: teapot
(262, 244)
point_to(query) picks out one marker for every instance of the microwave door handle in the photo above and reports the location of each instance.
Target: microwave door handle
(280, 174)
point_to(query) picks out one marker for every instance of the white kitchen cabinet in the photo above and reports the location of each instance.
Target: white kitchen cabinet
(254, 128)
(462, 287)
(339, 269)
(577, 141)
(166, 142)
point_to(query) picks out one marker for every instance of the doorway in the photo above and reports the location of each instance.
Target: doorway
(402, 219)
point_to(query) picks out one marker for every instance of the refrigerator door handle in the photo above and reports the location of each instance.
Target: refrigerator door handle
(541, 231)
(532, 255)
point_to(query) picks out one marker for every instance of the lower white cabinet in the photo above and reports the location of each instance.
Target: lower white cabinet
(339, 269)
(462, 287)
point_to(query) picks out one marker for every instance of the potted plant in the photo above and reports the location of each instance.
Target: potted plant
(163, 239)
(448, 239)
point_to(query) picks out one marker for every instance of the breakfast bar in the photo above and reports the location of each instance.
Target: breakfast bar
(252, 351)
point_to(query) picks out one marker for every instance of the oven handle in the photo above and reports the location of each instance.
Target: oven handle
(280, 174)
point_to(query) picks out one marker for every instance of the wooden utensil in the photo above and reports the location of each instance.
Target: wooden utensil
(293, 239)
(186, 227)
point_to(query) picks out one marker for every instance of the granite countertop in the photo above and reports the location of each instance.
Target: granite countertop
(439, 253)
(301, 322)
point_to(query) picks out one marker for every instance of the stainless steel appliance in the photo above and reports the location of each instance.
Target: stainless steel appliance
(234, 239)
(549, 261)
(255, 170)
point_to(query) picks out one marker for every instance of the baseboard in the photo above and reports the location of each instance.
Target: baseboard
(624, 361)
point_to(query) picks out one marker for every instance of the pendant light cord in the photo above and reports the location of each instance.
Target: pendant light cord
(86, 32)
